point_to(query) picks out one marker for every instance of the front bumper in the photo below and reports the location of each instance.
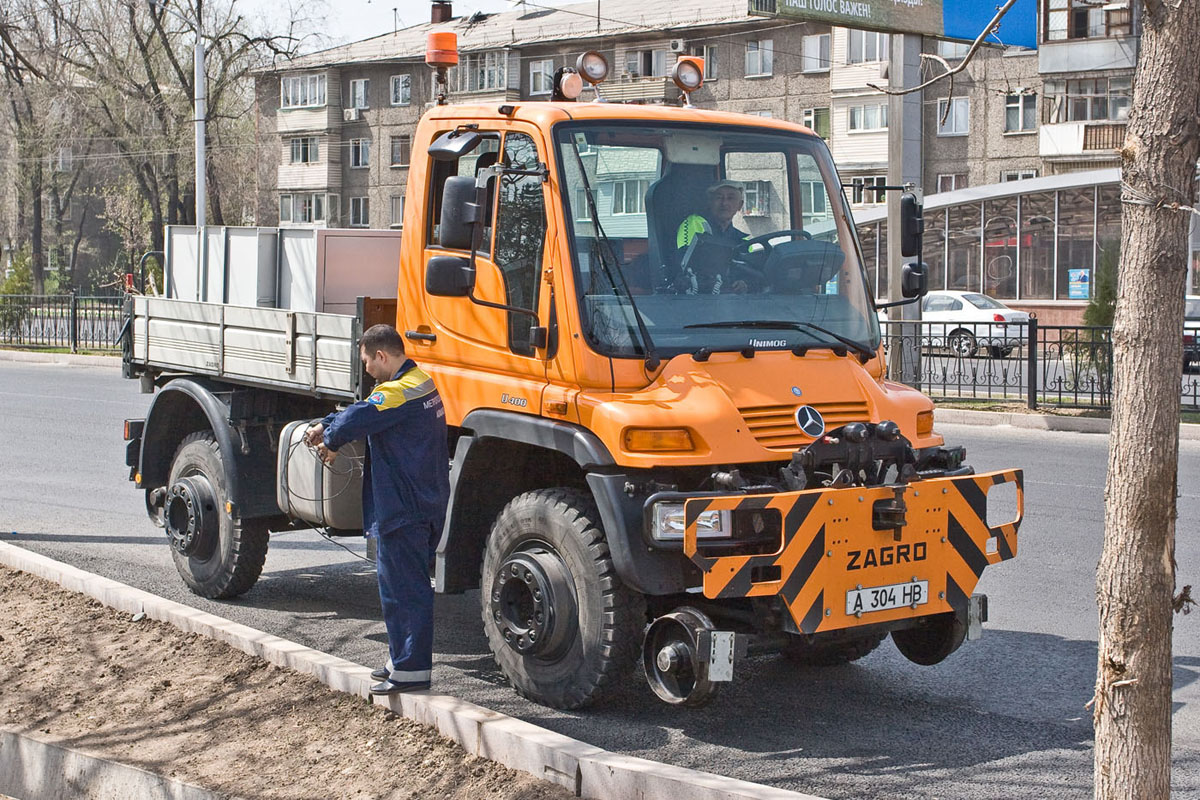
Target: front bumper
(830, 546)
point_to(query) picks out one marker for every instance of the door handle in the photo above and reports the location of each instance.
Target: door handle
(419, 336)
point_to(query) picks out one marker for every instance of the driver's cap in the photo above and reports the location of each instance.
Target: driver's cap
(727, 185)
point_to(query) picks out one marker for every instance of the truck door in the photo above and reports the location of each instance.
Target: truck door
(507, 371)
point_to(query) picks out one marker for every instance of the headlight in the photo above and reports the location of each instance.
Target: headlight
(669, 523)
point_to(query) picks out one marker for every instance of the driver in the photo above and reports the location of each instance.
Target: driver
(708, 277)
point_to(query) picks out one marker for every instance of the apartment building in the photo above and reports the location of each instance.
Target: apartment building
(338, 124)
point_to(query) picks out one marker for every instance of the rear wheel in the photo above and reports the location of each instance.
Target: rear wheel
(562, 626)
(216, 556)
(817, 652)
(962, 343)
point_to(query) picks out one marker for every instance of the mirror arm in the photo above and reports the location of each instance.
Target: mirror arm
(895, 303)
(481, 182)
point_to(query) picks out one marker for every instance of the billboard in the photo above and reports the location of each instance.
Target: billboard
(947, 19)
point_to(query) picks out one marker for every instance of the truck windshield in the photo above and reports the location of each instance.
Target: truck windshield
(719, 239)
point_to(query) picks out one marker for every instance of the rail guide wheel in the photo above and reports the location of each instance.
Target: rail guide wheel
(676, 654)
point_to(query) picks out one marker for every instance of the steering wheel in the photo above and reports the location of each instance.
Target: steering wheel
(743, 247)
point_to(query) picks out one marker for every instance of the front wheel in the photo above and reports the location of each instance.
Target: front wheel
(562, 626)
(216, 556)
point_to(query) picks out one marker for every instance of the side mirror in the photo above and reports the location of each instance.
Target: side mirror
(449, 276)
(453, 145)
(460, 213)
(912, 225)
(914, 280)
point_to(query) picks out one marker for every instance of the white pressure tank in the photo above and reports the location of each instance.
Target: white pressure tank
(327, 495)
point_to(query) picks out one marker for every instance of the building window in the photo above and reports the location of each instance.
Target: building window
(360, 212)
(478, 72)
(710, 62)
(541, 76)
(813, 200)
(397, 211)
(401, 150)
(302, 91)
(401, 90)
(956, 121)
(767, 113)
(1020, 112)
(303, 208)
(1017, 175)
(646, 63)
(866, 46)
(358, 93)
(862, 194)
(868, 118)
(581, 206)
(1083, 19)
(360, 152)
(756, 199)
(818, 120)
(952, 51)
(815, 53)
(305, 150)
(760, 57)
(629, 197)
(1087, 99)
(948, 183)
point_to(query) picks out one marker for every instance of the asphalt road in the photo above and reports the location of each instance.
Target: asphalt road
(1004, 717)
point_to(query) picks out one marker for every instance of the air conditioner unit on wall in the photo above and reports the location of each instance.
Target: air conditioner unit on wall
(678, 46)
(351, 115)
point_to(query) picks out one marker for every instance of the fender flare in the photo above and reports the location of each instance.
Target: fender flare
(646, 571)
(181, 407)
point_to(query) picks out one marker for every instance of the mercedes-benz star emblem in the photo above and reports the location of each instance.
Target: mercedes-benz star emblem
(810, 421)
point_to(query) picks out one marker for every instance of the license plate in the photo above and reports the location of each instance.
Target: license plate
(881, 598)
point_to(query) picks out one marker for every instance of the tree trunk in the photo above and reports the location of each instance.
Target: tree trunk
(1135, 581)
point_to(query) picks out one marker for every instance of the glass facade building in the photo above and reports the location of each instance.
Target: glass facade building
(1040, 240)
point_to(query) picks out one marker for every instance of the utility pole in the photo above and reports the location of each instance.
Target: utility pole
(904, 167)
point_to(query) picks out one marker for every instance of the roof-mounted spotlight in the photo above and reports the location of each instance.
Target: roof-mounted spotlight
(688, 75)
(593, 68)
(567, 85)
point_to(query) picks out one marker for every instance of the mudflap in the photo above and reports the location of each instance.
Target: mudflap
(843, 561)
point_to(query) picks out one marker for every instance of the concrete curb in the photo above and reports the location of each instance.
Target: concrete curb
(38, 357)
(1043, 422)
(588, 771)
(31, 769)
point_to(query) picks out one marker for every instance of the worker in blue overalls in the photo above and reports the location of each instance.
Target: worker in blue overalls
(406, 485)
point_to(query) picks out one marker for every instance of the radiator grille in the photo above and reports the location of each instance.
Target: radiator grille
(774, 427)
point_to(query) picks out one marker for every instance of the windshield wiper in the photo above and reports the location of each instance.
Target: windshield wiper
(648, 350)
(864, 352)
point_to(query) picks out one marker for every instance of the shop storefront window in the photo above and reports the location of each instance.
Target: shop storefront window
(1037, 246)
(1076, 237)
(1000, 248)
(962, 252)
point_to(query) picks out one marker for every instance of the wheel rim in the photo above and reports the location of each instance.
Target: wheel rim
(191, 516)
(533, 603)
(961, 344)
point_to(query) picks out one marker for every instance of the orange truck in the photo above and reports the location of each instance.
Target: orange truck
(673, 442)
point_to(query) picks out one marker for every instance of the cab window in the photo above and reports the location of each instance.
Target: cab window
(520, 237)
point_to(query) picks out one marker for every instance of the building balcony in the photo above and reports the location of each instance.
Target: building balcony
(761, 6)
(1088, 55)
(1099, 140)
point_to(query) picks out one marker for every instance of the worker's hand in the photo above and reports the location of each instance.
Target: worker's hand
(326, 454)
(315, 435)
(739, 287)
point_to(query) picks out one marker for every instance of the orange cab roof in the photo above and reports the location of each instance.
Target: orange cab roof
(544, 114)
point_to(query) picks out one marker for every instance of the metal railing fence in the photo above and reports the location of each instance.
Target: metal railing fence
(1065, 366)
(66, 321)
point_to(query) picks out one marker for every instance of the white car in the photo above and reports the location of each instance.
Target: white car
(1191, 332)
(966, 321)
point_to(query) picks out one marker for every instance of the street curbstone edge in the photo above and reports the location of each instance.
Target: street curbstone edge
(38, 357)
(587, 770)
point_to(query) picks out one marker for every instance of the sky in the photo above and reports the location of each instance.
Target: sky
(352, 20)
